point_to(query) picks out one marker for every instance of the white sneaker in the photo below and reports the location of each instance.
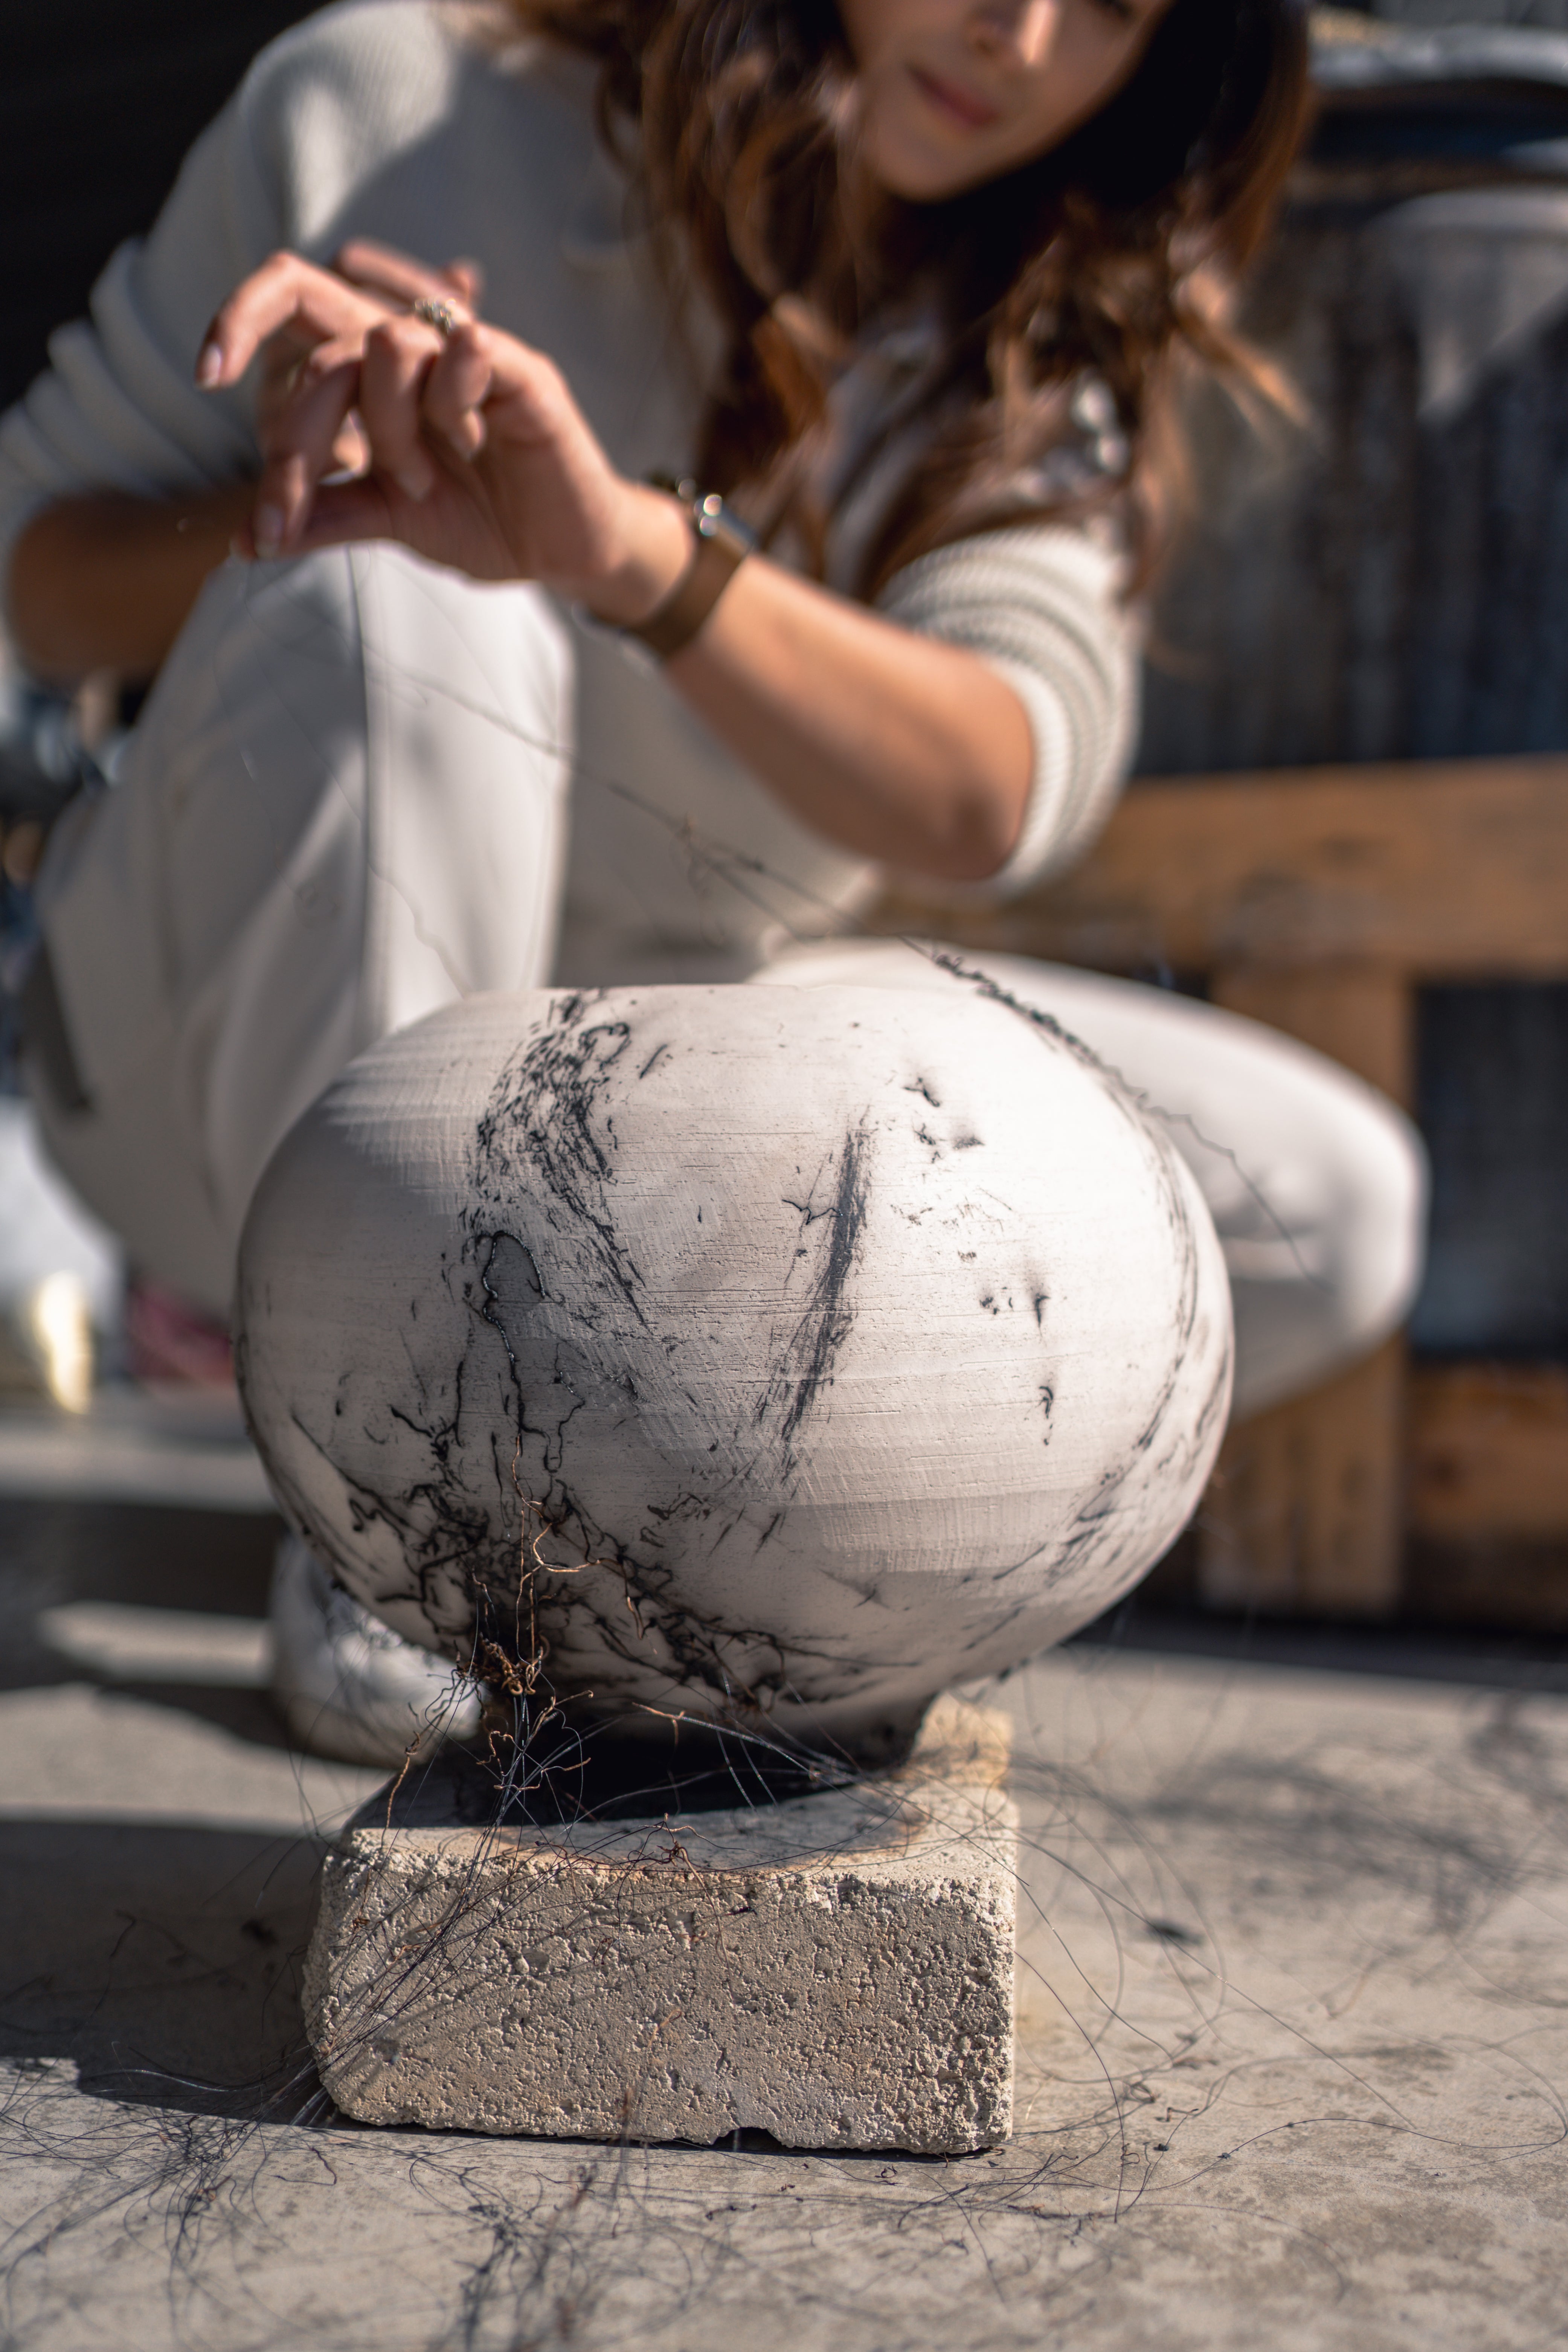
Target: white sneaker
(347, 1686)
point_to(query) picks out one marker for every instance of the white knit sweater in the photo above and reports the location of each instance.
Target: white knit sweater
(390, 119)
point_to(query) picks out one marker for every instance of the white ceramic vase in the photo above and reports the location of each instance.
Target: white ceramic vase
(767, 1355)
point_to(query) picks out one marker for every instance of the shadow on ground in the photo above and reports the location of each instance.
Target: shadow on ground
(161, 1959)
(216, 1564)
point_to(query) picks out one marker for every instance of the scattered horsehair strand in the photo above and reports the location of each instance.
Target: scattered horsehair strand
(542, 2240)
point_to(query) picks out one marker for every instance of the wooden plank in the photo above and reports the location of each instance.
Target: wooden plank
(1488, 1454)
(1292, 1520)
(1316, 901)
(1443, 869)
(1305, 1513)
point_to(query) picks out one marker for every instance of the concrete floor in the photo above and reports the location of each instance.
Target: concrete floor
(1294, 2012)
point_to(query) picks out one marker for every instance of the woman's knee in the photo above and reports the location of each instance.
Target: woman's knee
(1316, 1183)
(1357, 1259)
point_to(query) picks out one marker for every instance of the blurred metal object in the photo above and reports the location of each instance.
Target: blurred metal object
(47, 1343)
(58, 1324)
(60, 1275)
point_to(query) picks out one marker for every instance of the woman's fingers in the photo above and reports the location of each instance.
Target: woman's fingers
(399, 277)
(427, 395)
(351, 450)
(414, 381)
(345, 513)
(299, 443)
(486, 383)
(467, 279)
(399, 357)
(286, 292)
(457, 387)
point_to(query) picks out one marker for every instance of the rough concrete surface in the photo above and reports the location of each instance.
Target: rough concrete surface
(1292, 2047)
(836, 1969)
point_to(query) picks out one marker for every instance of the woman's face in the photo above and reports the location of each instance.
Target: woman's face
(956, 92)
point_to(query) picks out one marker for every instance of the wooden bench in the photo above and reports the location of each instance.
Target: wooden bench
(1318, 900)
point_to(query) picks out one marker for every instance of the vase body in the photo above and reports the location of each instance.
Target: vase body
(762, 1355)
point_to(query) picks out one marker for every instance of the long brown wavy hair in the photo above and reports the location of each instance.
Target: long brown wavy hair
(1066, 293)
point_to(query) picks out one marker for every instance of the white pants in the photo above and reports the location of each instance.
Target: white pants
(344, 807)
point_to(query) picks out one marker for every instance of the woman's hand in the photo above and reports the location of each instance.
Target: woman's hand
(475, 455)
(472, 451)
(392, 282)
(105, 581)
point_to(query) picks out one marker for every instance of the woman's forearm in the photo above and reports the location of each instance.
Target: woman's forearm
(476, 456)
(894, 746)
(107, 582)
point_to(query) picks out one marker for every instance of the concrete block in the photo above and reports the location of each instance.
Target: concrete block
(836, 1969)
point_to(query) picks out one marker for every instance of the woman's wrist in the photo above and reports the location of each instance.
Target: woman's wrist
(657, 554)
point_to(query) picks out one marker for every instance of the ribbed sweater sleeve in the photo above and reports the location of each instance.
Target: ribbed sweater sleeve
(1040, 604)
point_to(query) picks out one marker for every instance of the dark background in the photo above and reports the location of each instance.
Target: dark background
(99, 101)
